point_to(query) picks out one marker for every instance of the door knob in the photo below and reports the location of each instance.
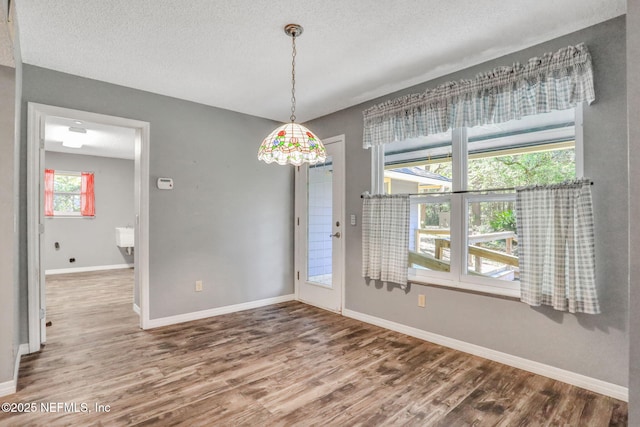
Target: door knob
(335, 235)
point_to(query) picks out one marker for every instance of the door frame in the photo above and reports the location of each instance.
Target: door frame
(299, 234)
(36, 116)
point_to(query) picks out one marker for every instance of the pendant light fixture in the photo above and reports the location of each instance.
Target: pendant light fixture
(292, 143)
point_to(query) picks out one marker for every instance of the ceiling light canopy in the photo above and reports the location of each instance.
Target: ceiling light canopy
(75, 138)
(292, 143)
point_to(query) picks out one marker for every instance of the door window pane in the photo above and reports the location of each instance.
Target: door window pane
(320, 211)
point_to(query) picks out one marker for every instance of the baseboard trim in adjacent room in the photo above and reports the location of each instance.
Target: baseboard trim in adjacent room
(197, 315)
(579, 380)
(136, 308)
(85, 269)
(10, 387)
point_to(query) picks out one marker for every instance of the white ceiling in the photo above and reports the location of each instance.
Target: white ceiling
(101, 140)
(234, 54)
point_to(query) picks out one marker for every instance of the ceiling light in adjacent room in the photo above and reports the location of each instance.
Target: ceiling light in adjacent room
(75, 138)
(292, 143)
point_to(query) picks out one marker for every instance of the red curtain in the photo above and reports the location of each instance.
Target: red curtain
(48, 192)
(87, 195)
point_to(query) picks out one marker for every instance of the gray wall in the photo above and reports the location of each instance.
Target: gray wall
(633, 106)
(592, 345)
(7, 289)
(228, 221)
(91, 241)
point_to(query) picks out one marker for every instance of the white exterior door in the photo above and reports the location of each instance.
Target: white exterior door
(320, 229)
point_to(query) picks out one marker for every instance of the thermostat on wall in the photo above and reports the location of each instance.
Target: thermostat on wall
(165, 183)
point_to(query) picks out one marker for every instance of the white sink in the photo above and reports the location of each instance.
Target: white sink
(124, 237)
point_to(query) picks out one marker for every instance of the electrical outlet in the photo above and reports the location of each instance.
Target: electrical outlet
(422, 300)
(198, 285)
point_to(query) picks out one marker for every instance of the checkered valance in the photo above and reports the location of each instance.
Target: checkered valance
(555, 81)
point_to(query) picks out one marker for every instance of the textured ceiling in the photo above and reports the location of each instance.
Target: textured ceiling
(234, 54)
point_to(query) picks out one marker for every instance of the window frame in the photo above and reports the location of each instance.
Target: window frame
(457, 277)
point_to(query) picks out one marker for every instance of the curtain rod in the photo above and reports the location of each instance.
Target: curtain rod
(488, 190)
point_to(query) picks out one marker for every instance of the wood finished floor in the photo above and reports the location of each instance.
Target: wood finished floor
(286, 364)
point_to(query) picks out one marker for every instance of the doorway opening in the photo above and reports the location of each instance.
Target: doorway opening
(66, 150)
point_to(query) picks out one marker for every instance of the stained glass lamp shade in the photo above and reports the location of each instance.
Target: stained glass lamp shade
(292, 144)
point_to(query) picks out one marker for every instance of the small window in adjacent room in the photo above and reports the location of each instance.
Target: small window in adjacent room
(461, 236)
(66, 193)
(69, 194)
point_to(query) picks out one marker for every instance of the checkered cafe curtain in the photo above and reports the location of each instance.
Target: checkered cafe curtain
(385, 237)
(555, 81)
(556, 246)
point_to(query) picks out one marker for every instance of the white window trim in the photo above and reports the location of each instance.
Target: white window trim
(579, 140)
(494, 289)
(377, 169)
(457, 278)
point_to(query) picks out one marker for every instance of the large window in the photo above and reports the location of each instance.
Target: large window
(463, 229)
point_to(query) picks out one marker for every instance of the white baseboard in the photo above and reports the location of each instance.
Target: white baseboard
(136, 308)
(187, 317)
(579, 380)
(10, 387)
(85, 269)
(7, 388)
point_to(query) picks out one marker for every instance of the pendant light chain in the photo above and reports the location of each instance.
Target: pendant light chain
(293, 79)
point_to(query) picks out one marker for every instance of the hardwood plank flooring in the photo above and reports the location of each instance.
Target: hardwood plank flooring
(281, 365)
